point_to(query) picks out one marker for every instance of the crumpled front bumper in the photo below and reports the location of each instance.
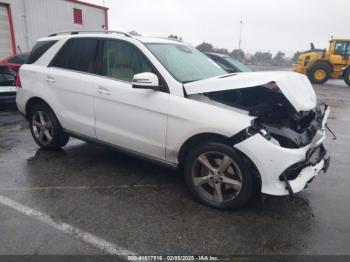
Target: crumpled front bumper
(283, 170)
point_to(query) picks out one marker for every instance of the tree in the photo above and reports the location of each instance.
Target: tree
(205, 47)
(223, 51)
(279, 59)
(238, 54)
(262, 58)
(296, 56)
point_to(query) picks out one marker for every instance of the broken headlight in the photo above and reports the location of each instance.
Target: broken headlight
(267, 136)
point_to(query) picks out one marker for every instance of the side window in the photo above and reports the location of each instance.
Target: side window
(122, 61)
(79, 54)
(339, 48)
(348, 49)
(38, 50)
(222, 64)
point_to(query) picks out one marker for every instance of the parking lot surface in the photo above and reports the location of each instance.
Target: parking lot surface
(146, 209)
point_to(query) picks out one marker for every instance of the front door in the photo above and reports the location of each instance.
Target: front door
(135, 119)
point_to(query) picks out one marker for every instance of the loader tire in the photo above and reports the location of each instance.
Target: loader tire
(319, 74)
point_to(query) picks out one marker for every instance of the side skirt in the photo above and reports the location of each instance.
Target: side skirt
(122, 150)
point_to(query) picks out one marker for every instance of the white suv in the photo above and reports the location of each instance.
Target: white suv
(233, 134)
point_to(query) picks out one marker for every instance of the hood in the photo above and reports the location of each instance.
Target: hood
(294, 86)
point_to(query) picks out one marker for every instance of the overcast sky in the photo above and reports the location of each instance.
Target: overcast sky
(268, 25)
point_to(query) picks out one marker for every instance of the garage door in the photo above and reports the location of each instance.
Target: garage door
(5, 33)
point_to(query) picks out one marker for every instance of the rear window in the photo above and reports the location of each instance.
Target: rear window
(78, 55)
(38, 50)
(7, 79)
(18, 59)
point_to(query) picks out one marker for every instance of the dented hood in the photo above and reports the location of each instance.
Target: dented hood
(294, 86)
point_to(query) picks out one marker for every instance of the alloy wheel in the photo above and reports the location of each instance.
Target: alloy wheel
(217, 177)
(42, 127)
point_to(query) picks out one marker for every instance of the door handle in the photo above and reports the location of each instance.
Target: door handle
(102, 90)
(49, 79)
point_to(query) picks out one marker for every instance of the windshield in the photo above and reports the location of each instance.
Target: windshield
(241, 67)
(185, 63)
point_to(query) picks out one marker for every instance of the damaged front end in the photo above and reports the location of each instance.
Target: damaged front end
(279, 123)
(285, 140)
(285, 144)
(274, 114)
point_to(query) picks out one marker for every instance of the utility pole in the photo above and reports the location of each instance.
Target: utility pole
(240, 35)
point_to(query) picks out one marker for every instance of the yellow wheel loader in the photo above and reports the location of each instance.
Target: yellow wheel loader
(321, 65)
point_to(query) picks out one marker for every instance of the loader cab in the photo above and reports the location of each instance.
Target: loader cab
(339, 50)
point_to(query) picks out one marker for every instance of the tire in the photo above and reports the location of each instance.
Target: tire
(347, 76)
(235, 182)
(45, 128)
(319, 74)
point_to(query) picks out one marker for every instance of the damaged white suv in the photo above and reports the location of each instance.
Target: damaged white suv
(233, 134)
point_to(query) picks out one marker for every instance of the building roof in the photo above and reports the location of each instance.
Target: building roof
(88, 4)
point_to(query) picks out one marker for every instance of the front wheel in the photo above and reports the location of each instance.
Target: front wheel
(45, 128)
(319, 74)
(347, 76)
(217, 176)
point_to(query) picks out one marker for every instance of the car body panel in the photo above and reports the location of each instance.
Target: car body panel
(67, 92)
(189, 117)
(296, 87)
(132, 118)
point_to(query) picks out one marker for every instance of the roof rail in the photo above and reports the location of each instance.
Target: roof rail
(91, 31)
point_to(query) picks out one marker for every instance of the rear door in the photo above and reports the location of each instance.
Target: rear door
(71, 79)
(135, 119)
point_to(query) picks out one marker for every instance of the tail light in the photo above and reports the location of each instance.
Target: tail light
(18, 81)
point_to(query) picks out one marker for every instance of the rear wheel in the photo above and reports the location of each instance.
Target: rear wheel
(217, 177)
(45, 128)
(319, 74)
(347, 76)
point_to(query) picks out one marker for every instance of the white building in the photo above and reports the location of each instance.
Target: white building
(22, 22)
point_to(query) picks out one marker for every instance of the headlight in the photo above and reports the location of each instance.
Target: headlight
(267, 136)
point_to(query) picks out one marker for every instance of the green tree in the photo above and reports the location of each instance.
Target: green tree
(279, 59)
(205, 47)
(238, 54)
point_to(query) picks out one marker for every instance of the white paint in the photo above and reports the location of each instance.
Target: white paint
(294, 86)
(82, 235)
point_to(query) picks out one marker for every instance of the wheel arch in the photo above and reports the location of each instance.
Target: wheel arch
(214, 137)
(32, 102)
(318, 62)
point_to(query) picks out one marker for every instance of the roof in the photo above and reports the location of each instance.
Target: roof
(162, 40)
(341, 39)
(88, 4)
(114, 34)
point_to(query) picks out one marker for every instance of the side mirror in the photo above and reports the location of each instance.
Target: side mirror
(146, 81)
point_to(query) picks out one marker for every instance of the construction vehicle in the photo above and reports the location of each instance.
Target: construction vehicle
(320, 65)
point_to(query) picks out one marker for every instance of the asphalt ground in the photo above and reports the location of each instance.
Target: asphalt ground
(90, 200)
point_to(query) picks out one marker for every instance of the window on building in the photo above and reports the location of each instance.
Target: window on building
(78, 16)
(79, 55)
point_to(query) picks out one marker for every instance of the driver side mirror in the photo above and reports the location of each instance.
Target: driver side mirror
(146, 81)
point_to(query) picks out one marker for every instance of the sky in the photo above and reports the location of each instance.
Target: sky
(267, 25)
